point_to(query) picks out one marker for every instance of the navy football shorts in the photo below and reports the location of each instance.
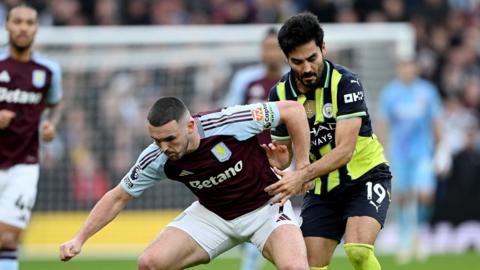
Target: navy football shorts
(326, 215)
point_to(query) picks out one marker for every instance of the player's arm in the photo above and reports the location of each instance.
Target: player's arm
(351, 109)
(293, 182)
(293, 115)
(279, 152)
(106, 209)
(345, 140)
(54, 107)
(48, 127)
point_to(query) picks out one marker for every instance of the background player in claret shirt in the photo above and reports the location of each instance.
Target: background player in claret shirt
(253, 83)
(29, 83)
(352, 179)
(217, 156)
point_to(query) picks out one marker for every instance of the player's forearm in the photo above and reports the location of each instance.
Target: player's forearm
(333, 160)
(54, 113)
(297, 126)
(437, 132)
(106, 209)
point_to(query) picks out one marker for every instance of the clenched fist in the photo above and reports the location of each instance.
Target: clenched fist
(69, 250)
(6, 117)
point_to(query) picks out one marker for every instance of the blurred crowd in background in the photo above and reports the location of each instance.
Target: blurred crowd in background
(447, 54)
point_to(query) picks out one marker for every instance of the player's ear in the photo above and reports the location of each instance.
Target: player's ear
(323, 49)
(191, 126)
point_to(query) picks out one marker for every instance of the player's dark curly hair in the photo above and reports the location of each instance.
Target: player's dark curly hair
(26, 4)
(299, 30)
(167, 109)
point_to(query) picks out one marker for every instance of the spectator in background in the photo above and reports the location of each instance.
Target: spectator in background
(410, 111)
(167, 12)
(106, 12)
(136, 12)
(325, 10)
(89, 181)
(252, 85)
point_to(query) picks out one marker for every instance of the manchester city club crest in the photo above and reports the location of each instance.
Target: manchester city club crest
(327, 110)
(39, 77)
(221, 152)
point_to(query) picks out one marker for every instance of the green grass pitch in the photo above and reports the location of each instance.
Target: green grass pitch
(466, 261)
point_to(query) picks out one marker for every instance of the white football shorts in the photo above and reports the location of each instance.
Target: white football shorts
(18, 189)
(217, 235)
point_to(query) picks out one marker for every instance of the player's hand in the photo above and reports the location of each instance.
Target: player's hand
(277, 154)
(6, 117)
(290, 183)
(307, 186)
(48, 131)
(69, 249)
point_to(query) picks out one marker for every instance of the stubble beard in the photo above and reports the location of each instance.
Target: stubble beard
(20, 48)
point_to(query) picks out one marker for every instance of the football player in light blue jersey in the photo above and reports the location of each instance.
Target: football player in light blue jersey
(410, 110)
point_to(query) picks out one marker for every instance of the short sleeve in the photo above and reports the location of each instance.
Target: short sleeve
(350, 99)
(147, 170)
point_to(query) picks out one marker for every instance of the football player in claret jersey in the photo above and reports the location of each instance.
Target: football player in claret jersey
(29, 84)
(351, 192)
(218, 157)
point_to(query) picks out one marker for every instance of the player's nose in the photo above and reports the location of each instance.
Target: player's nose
(163, 146)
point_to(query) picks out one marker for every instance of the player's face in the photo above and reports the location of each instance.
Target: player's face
(172, 138)
(306, 62)
(272, 55)
(21, 27)
(407, 71)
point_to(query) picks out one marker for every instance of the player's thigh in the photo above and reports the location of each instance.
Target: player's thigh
(285, 247)
(281, 237)
(362, 229)
(403, 181)
(323, 216)
(207, 229)
(424, 176)
(259, 225)
(319, 250)
(366, 209)
(173, 249)
(18, 193)
(9, 236)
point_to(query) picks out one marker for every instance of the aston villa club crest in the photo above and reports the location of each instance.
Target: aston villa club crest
(221, 152)
(39, 77)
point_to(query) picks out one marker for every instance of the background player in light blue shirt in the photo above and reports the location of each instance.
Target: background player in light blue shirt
(410, 111)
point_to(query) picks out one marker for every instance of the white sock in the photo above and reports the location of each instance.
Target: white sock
(8, 259)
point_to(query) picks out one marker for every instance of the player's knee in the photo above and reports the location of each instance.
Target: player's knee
(358, 253)
(149, 262)
(294, 264)
(8, 240)
(315, 260)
